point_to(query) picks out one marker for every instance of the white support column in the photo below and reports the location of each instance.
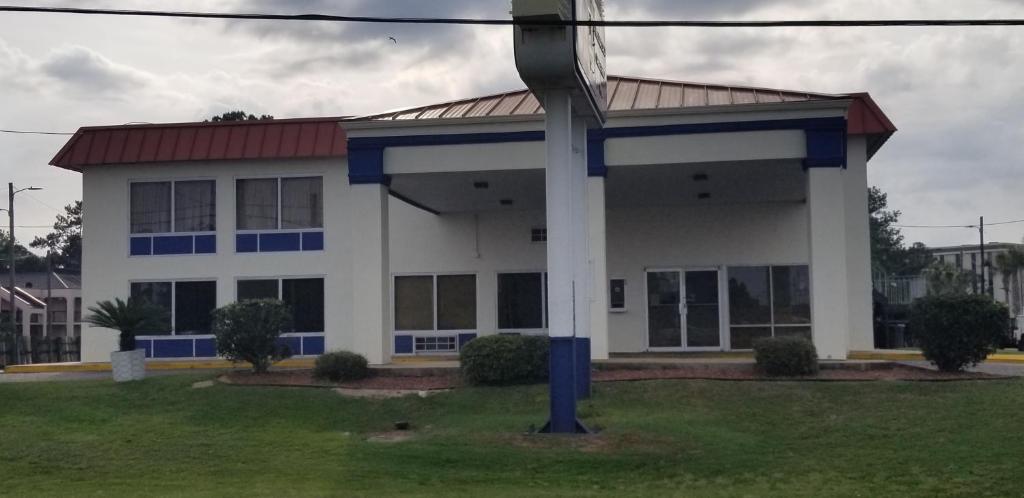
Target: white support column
(858, 246)
(828, 265)
(371, 275)
(598, 269)
(580, 249)
(559, 214)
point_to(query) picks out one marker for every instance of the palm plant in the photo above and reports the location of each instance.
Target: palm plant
(1010, 264)
(127, 317)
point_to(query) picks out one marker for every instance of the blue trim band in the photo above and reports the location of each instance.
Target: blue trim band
(582, 367)
(247, 242)
(464, 339)
(403, 344)
(826, 142)
(313, 241)
(140, 246)
(206, 348)
(595, 156)
(171, 245)
(206, 244)
(312, 345)
(562, 385)
(365, 163)
(278, 242)
(172, 348)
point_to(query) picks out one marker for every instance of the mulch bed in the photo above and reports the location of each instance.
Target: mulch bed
(894, 372)
(304, 378)
(448, 380)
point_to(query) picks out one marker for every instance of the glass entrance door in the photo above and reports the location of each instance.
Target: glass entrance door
(683, 310)
(703, 323)
(664, 307)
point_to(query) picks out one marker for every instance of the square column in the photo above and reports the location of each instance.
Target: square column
(598, 268)
(830, 303)
(370, 287)
(858, 246)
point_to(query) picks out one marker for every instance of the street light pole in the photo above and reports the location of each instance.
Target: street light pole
(10, 256)
(10, 259)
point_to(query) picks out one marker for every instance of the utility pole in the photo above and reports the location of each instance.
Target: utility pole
(49, 293)
(10, 267)
(981, 233)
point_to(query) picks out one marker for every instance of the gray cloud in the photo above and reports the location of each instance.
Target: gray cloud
(86, 70)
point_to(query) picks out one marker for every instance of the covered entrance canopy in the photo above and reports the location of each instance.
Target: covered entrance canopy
(684, 178)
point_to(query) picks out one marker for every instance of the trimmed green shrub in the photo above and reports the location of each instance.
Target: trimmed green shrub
(956, 331)
(249, 331)
(785, 356)
(338, 366)
(505, 359)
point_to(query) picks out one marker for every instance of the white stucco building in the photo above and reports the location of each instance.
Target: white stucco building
(716, 215)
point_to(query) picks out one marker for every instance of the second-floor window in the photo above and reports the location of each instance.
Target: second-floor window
(279, 203)
(173, 206)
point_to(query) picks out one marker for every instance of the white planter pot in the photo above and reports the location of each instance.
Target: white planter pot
(128, 365)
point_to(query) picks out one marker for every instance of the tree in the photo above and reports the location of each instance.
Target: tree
(24, 260)
(888, 252)
(128, 318)
(947, 280)
(65, 241)
(239, 116)
(1010, 264)
(249, 330)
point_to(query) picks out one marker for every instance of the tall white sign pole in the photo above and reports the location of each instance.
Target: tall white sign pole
(561, 270)
(564, 66)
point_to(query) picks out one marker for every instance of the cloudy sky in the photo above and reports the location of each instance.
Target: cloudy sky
(955, 93)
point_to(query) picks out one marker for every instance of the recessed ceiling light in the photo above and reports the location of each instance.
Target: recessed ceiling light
(704, 195)
(700, 177)
(505, 202)
(481, 185)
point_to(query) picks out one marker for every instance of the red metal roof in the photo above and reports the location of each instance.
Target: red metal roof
(269, 139)
(624, 94)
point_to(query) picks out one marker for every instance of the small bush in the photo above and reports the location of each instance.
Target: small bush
(785, 356)
(505, 359)
(249, 331)
(956, 331)
(338, 366)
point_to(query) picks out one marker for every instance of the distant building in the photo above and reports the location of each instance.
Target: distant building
(65, 304)
(968, 258)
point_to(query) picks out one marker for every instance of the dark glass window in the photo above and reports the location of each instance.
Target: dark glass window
(257, 289)
(791, 295)
(305, 297)
(256, 204)
(302, 203)
(414, 302)
(520, 301)
(194, 303)
(157, 294)
(749, 295)
(456, 302)
(195, 206)
(150, 207)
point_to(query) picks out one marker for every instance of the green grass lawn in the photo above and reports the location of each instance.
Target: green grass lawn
(659, 438)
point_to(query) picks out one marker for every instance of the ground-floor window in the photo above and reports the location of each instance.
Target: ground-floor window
(188, 304)
(522, 301)
(304, 296)
(766, 301)
(435, 303)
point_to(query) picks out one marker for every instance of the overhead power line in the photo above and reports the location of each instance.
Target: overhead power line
(510, 22)
(28, 132)
(961, 226)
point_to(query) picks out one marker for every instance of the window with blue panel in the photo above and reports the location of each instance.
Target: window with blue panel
(173, 217)
(279, 214)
